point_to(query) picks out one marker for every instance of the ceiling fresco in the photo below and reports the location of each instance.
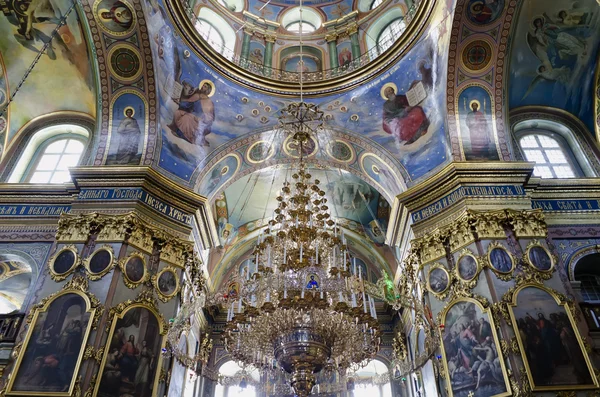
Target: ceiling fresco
(554, 55)
(24, 28)
(200, 111)
(245, 204)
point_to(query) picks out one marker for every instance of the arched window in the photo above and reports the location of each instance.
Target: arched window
(211, 34)
(294, 27)
(50, 153)
(311, 20)
(231, 369)
(552, 156)
(372, 370)
(587, 271)
(390, 34)
(375, 4)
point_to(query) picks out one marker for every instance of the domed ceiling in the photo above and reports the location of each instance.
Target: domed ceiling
(389, 120)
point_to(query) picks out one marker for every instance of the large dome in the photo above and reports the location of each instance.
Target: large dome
(266, 44)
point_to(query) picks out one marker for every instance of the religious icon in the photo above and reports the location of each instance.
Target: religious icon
(438, 280)
(550, 345)
(115, 16)
(471, 352)
(132, 360)
(129, 138)
(500, 260)
(313, 282)
(467, 267)
(100, 261)
(167, 282)
(135, 269)
(405, 122)
(483, 12)
(233, 290)
(53, 348)
(539, 258)
(64, 260)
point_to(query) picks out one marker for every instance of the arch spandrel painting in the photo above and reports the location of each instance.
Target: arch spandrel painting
(65, 62)
(399, 110)
(555, 48)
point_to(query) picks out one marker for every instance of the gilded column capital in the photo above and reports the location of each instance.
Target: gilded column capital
(352, 29)
(331, 37)
(270, 38)
(528, 223)
(489, 224)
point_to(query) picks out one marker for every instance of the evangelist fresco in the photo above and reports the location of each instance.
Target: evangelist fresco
(471, 349)
(200, 110)
(128, 129)
(550, 345)
(476, 124)
(555, 46)
(54, 347)
(130, 366)
(65, 63)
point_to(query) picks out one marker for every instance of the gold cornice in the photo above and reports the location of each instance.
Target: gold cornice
(185, 28)
(456, 174)
(155, 183)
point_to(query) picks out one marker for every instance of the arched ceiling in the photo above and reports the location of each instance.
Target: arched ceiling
(249, 202)
(24, 28)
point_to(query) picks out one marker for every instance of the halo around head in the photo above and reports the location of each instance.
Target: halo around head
(474, 101)
(385, 86)
(212, 87)
(129, 108)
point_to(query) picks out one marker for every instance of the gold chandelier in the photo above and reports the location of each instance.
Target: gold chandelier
(302, 306)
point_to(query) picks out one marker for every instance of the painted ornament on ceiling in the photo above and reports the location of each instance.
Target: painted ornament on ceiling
(219, 174)
(555, 48)
(484, 12)
(116, 17)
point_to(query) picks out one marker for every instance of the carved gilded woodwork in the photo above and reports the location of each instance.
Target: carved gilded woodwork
(528, 223)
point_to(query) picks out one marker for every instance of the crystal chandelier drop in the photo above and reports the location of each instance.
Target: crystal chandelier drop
(302, 305)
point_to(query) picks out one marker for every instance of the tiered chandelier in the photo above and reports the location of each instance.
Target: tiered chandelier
(302, 306)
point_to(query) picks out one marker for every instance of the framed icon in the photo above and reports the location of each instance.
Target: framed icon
(538, 257)
(467, 266)
(166, 283)
(438, 279)
(500, 260)
(63, 262)
(100, 262)
(134, 269)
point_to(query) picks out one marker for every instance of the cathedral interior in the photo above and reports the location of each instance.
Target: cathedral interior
(337, 198)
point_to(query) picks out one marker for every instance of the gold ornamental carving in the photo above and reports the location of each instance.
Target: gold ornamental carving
(488, 225)
(529, 223)
(74, 228)
(115, 228)
(461, 234)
